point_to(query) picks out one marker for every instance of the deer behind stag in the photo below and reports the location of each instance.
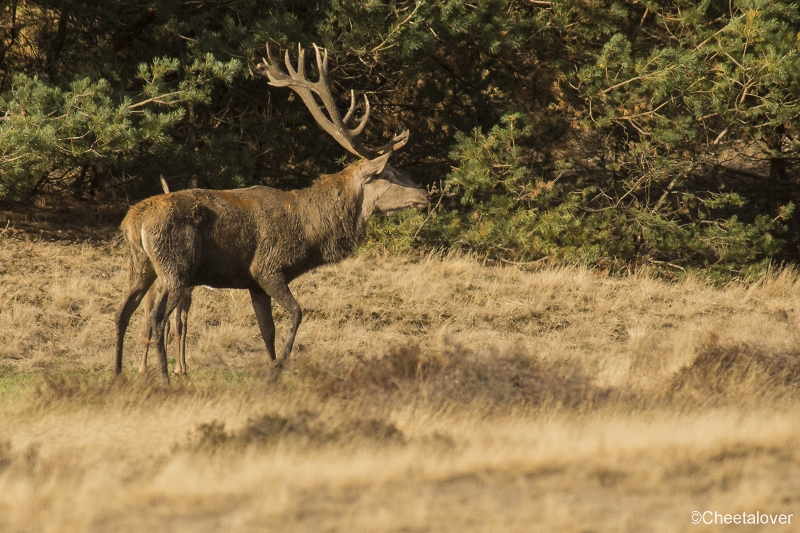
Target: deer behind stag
(181, 313)
(260, 238)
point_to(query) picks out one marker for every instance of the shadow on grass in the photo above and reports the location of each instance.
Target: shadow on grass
(456, 375)
(303, 428)
(721, 373)
(737, 372)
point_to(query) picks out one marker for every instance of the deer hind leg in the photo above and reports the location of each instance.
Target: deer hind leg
(262, 305)
(147, 334)
(136, 292)
(276, 287)
(181, 323)
(166, 301)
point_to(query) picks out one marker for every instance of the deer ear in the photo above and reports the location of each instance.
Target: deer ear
(373, 167)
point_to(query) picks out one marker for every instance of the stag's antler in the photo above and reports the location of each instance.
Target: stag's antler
(336, 126)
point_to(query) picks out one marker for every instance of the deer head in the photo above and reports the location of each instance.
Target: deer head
(385, 188)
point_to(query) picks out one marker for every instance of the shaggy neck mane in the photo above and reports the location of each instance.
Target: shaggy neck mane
(334, 219)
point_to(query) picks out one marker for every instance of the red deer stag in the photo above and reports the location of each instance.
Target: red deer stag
(181, 313)
(260, 238)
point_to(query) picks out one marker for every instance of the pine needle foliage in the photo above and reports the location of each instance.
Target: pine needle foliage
(611, 133)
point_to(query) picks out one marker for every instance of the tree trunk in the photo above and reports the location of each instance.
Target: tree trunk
(54, 50)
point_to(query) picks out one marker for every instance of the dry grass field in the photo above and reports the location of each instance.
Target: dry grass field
(424, 395)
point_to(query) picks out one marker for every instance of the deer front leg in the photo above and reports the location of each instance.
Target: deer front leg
(262, 305)
(276, 287)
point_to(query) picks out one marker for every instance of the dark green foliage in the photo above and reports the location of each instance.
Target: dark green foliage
(608, 133)
(672, 152)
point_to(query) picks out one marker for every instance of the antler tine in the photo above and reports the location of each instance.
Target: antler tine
(301, 62)
(349, 114)
(363, 122)
(322, 66)
(397, 142)
(358, 129)
(287, 59)
(269, 60)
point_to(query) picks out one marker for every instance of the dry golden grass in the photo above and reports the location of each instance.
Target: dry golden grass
(427, 395)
